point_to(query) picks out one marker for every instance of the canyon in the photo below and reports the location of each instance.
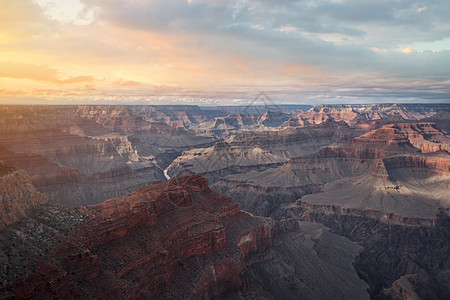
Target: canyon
(176, 239)
(346, 201)
(80, 155)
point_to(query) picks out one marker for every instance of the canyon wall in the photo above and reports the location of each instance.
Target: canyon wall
(17, 195)
(378, 170)
(80, 155)
(172, 240)
(352, 113)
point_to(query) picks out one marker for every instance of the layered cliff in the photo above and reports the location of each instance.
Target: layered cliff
(161, 241)
(172, 240)
(441, 121)
(258, 151)
(80, 155)
(123, 120)
(226, 127)
(352, 113)
(378, 170)
(17, 195)
(188, 114)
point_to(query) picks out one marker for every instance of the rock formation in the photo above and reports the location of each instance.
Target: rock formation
(172, 240)
(80, 155)
(17, 195)
(377, 170)
(188, 114)
(372, 174)
(352, 113)
(259, 150)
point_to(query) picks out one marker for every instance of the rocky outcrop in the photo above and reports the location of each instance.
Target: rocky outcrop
(172, 240)
(438, 164)
(304, 266)
(81, 174)
(308, 211)
(17, 195)
(225, 127)
(160, 241)
(425, 136)
(123, 120)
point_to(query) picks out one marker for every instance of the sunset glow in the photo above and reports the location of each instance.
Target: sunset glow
(223, 52)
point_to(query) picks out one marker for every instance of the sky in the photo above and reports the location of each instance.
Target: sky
(224, 52)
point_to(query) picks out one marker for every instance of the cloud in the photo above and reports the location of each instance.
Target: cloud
(20, 19)
(122, 82)
(409, 50)
(348, 17)
(421, 9)
(66, 11)
(206, 47)
(340, 36)
(375, 49)
(38, 73)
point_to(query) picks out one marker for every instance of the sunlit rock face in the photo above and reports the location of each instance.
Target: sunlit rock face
(352, 113)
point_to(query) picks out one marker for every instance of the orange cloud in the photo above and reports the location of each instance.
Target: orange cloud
(38, 73)
(409, 50)
(20, 20)
(37, 92)
(6, 92)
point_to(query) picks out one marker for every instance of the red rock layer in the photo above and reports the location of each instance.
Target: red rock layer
(389, 140)
(433, 164)
(172, 240)
(425, 136)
